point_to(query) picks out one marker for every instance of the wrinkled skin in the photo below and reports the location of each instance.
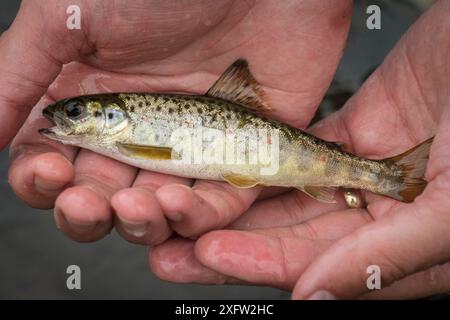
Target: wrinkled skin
(285, 243)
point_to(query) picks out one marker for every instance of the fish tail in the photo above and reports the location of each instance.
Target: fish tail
(413, 164)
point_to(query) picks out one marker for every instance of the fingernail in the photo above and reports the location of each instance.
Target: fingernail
(321, 295)
(81, 227)
(137, 230)
(174, 216)
(46, 186)
(76, 226)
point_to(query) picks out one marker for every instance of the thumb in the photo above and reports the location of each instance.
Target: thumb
(31, 57)
(410, 239)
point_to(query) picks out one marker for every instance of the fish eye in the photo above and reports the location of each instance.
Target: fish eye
(73, 109)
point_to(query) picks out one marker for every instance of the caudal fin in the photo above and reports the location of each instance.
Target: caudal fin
(413, 164)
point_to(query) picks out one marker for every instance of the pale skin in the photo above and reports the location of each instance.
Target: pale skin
(406, 98)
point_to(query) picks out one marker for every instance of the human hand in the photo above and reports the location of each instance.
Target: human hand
(151, 46)
(283, 242)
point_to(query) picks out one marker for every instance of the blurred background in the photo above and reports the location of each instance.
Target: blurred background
(34, 254)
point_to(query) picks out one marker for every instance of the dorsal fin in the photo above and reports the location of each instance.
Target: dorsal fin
(237, 85)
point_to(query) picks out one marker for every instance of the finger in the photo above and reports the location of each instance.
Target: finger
(31, 60)
(271, 192)
(207, 205)
(39, 168)
(175, 261)
(400, 244)
(83, 211)
(273, 257)
(284, 210)
(140, 218)
(330, 226)
(257, 258)
(433, 281)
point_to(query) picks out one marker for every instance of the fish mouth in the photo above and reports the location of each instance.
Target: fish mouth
(56, 133)
(46, 131)
(48, 113)
(51, 133)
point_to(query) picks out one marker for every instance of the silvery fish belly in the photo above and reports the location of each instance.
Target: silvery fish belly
(222, 136)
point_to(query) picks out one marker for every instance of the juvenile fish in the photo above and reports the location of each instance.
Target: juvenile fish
(222, 136)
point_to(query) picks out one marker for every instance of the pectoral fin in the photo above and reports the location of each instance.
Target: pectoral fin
(146, 152)
(322, 194)
(240, 181)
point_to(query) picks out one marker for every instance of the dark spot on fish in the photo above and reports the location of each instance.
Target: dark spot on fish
(228, 116)
(141, 104)
(132, 108)
(158, 108)
(199, 110)
(97, 114)
(170, 110)
(187, 106)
